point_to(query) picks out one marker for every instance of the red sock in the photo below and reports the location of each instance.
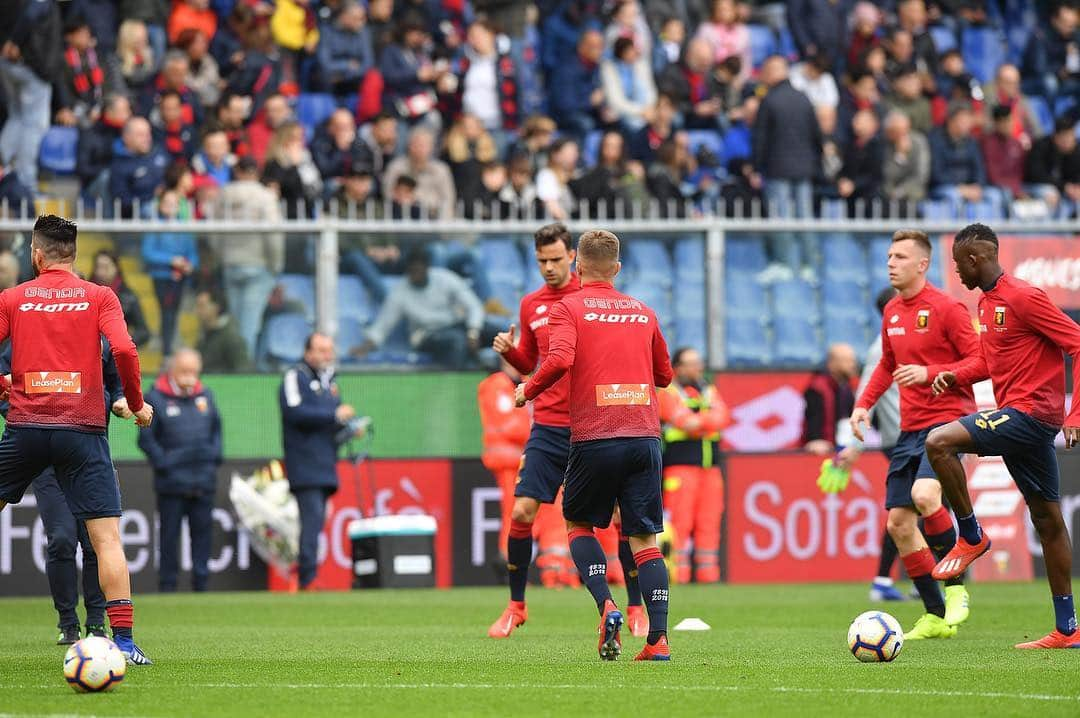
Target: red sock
(938, 522)
(121, 617)
(919, 563)
(520, 529)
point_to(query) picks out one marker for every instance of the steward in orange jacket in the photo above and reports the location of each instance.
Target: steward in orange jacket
(506, 429)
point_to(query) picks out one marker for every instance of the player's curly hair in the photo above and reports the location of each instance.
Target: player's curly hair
(976, 233)
(55, 237)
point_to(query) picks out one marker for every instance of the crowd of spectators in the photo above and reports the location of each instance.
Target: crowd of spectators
(430, 109)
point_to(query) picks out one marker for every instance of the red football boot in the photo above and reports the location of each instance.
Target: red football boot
(959, 558)
(637, 621)
(610, 623)
(1055, 639)
(515, 615)
(658, 652)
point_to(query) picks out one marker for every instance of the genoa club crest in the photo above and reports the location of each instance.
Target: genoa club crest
(922, 320)
(999, 316)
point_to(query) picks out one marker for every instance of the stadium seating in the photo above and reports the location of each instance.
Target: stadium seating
(313, 108)
(848, 331)
(744, 298)
(983, 50)
(299, 288)
(709, 139)
(762, 43)
(58, 150)
(795, 298)
(745, 253)
(746, 342)
(944, 38)
(795, 342)
(1041, 109)
(691, 333)
(649, 261)
(354, 302)
(503, 262)
(690, 260)
(844, 259)
(844, 299)
(284, 336)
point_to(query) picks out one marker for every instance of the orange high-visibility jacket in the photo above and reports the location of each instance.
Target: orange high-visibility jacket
(506, 427)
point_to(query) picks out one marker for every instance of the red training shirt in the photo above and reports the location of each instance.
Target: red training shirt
(552, 408)
(933, 330)
(612, 348)
(55, 323)
(1023, 334)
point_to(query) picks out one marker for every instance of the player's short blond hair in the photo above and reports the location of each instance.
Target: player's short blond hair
(598, 247)
(916, 236)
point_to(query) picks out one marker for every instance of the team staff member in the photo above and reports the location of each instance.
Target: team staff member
(312, 417)
(693, 413)
(506, 429)
(64, 533)
(57, 414)
(184, 448)
(610, 348)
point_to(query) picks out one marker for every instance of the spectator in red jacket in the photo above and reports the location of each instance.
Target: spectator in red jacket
(1003, 154)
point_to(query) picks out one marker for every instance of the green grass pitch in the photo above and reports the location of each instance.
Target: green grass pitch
(773, 650)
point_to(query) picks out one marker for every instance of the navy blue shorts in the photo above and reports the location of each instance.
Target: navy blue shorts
(82, 462)
(543, 465)
(1024, 443)
(907, 462)
(609, 471)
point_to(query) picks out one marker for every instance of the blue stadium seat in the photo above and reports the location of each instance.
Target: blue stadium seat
(649, 260)
(58, 150)
(299, 288)
(937, 209)
(762, 43)
(509, 293)
(689, 301)
(503, 262)
(354, 302)
(1041, 109)
(313, 108)
(745, 253)
(877, 258)
(1063, 104)
(844, 258)
(795, 298)
(845, 300)
(847, 331)
(833, 209)
(590, 148)
(746, 343)
(656, 297)
(943, 37)
(743, 298)
(284, 336)
(690, 259)
(350, 334)
(983, 49)
(737, 144)
(690, 333)
(786, 45)
(796, 342)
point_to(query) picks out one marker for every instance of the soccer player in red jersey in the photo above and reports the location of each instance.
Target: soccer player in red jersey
(1022, 335)
(57, 414)
(923, 332)
(544, 462)
(609, 347)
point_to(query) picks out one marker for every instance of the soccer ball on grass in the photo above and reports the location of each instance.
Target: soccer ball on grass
(94, 664)
(875, 637)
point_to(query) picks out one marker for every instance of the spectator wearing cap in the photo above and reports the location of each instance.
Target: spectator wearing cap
(410, 76)
(274, 113)
(214, 159)
(726, 35)
(819, 27)
(1003, 155)
(1004, 91)
(786, 155)
(813, 79)
(643, 144)
(88, 77)
(693, 88)
(336, 147)
(173, 76)
(292, 173)
(137, 169)
(345, 54)
(204, 76)
(908, 99)
(575, 94)
(629, 90)
(1053, 169)
(488, 85)
(957, 172)
(222, 348)
(434, 183)
(862, 172)
(97, 144)
(444, 317)
(250, 261)
(171, 133)
(1051, 61)
(906, 170)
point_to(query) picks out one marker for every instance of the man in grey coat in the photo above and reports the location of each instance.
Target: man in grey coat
(907, 164)
(250, 261)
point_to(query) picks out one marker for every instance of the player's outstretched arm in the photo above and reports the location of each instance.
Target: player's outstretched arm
(112, 325)
(1046, 318)
(662, 371)
(561, 352)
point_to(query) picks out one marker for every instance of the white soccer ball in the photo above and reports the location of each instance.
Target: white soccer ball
(94, 664)
(875, 637)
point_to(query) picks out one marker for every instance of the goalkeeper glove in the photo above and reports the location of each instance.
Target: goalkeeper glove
(832, 479)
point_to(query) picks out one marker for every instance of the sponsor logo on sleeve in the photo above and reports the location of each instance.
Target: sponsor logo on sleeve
(52, 382)
(623, 395)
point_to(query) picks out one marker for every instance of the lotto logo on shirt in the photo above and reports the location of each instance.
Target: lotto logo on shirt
(53, 382)
(623, 395)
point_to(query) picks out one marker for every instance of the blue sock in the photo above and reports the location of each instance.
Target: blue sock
(630, 571)
(970, 530)
(653, 576)
(519, 548)
(591, 564)
(1065, 614)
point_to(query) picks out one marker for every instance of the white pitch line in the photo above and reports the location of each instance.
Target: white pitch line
(582, 687)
